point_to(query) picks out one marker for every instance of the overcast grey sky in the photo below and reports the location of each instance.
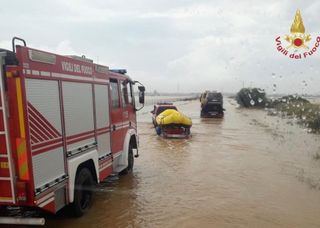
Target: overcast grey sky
(185, 46)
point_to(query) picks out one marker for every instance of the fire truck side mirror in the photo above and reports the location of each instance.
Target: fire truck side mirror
(141, 89)
(141, 94)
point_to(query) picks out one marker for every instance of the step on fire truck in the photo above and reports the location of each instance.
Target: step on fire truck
(66, 123)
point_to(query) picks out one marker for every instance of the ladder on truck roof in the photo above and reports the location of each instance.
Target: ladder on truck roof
(7, 190)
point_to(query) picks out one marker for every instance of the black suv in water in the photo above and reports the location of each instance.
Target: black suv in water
(211, 104)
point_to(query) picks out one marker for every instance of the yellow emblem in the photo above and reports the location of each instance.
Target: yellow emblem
(298, 38)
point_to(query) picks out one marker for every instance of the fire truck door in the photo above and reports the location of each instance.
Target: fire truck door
(127, 105)
(117, 137)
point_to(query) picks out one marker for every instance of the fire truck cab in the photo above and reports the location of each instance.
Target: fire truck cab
(66, 124)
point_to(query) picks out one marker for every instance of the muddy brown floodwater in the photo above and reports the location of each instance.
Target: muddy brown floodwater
(246, 170)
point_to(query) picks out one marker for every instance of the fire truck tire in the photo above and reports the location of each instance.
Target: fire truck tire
(83, 192)
(130, 161)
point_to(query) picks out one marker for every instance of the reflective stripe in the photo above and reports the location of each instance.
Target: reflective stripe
(121, 125)
(45, 198)
(104, 166)
(6, 199)
(45, 73)
(4, 165)
(63, 76)
(35, 72)
(21, 142)
(9, 74)
(22, 159)
(20, 108)
(46, 202)
(115, 155)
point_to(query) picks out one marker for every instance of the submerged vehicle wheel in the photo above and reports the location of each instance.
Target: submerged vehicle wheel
(83, 192)
(130, 161)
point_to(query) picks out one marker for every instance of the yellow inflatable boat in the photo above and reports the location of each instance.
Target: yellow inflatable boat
(171, 116)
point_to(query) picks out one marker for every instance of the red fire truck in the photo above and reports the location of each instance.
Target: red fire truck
(66, 123)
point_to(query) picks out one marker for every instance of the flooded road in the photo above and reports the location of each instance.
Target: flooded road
(246, 170)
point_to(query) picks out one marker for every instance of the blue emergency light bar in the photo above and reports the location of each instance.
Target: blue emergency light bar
(119, 71)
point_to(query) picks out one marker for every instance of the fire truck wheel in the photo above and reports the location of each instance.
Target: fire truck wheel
(130, 161)
(83, 192)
